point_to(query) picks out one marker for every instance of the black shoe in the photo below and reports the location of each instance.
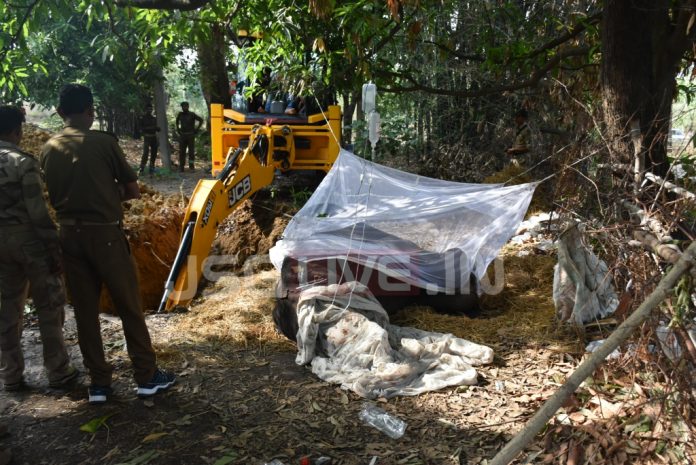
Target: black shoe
(66, 381)
(161, 381)
(99, 394)
(16, 387)
(191, 168)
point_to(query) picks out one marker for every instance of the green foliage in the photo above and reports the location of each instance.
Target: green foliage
(94, 424)
(300, 196)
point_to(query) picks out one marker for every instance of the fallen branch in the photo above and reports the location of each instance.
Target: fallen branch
(670, 186)
(539, 420)
(643, 218)
(668, 252)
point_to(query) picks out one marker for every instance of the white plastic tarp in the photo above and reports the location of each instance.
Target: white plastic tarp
(427, 232)
(345, 334)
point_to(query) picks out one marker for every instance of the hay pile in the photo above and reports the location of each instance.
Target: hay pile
(152, 225)
(516, 174)
(236, 311)
(522, 311)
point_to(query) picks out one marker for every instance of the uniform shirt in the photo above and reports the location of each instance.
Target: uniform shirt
(522, 138)
(21, 192)
(186, 122)
(83, 170)
(148, 124)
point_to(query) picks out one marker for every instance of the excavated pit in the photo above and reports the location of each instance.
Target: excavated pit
(152, 225)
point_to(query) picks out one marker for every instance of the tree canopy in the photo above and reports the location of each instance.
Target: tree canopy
(457, 60)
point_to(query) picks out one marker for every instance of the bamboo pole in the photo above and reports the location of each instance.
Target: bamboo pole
(539, 420)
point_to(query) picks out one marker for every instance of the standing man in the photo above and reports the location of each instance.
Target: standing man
(29, 258)
(187, 130)
(520, 144)
(149, 128)
(87, 178)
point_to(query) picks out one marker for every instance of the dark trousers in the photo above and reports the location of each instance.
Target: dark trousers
(149, 148)
(24, 260)
(187, 143)
(96, 255)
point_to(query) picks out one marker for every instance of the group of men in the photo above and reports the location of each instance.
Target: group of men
(188, 124)
(87, 177)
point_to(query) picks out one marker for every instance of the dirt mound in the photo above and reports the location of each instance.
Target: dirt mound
(33, 139)
(152, 225)
(251, 230)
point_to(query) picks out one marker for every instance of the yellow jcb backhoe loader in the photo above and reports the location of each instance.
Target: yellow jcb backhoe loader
(247, 149)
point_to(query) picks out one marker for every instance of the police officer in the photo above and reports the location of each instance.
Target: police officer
(520, 144)
(87, 177)
(186, 128)
(149, 128)
(29, 259)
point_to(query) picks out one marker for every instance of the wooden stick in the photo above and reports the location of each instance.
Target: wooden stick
(639, 155)
(539, 420)
(670, 186)
(641, 217)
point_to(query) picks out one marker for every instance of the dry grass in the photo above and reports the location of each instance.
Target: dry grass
(236, 311)
(513, 175)
(522, 311)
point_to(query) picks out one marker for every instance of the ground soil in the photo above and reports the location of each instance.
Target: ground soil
(241, 399)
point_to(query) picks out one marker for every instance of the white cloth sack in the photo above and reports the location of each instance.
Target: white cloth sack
(346, 336)
(426, 232)
(582, 285)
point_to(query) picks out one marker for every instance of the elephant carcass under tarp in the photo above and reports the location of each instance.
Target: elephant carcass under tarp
(403, 235)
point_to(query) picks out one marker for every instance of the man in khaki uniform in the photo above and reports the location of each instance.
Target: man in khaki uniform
(187, 129)
(520, 144)
(29, 256)
(149, 128)
(87, 177)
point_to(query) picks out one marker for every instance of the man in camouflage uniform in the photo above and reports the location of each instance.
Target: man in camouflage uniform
(187, 129)
(29, 259)
(520, 144)
(87, 178)
(149, 128)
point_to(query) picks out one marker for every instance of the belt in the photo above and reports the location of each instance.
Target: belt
(15, 226)
(78, 222)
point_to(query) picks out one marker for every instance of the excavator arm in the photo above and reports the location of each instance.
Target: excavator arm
(212, 201)
(280, 144)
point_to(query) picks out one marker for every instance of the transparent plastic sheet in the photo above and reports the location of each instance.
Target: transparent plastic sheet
(426, 232)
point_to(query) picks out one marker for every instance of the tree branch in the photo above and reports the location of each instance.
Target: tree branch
(681, 40)
(184, 5)
(386, 39)
(20, 27)
(577, 29)
(572, 33)
(531, 82)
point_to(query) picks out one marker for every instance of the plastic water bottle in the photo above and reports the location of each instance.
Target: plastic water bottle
(388, 424)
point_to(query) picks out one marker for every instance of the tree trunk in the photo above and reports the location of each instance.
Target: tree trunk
(161, 115)
(638, 78)
(349, 102)
(213, 63)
